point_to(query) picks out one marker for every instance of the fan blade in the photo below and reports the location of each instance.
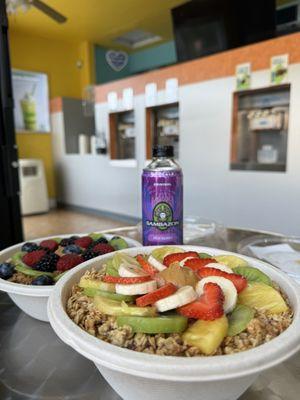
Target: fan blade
(48, 11)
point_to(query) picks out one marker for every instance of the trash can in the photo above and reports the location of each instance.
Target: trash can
(34, 193)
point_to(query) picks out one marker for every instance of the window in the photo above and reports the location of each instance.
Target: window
(122, 135)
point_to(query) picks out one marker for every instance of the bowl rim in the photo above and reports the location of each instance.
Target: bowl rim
(43, 291)
(209, 368)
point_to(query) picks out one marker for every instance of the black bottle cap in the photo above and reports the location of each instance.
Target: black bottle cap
(163, 151)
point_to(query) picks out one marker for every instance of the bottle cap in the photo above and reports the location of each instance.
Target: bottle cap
(163, 151)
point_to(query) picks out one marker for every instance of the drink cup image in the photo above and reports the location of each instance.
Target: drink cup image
(28, 106)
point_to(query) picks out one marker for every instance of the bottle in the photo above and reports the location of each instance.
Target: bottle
(162, 199)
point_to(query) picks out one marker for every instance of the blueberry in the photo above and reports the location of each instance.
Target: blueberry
(6, 270)
(29, 246)
(43, 280)
(72, 249)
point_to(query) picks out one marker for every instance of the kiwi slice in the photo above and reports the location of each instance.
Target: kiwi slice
(17, 258)
(112, 267)
(239, 319)
(96, 236)
(118, 243)
(205, 255)
(31, 272)
(253, 275)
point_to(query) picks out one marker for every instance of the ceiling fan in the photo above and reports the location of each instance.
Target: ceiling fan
(14, 5)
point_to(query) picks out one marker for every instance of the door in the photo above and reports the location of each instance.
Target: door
(10, 216)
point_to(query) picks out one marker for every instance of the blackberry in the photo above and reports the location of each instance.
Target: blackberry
(74, 238)
(43, 280)
(29, 247)
(47, 263)
(66, 242)
(88, 254)
(100, 240)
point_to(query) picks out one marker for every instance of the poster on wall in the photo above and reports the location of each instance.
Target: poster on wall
(243, 76)
(279, 69)
(31, 100)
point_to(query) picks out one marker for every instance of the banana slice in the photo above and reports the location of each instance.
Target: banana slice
(130, 271)
(136, 288)
(156, 264)
(228, 288)
(184, 295)
(221, 267)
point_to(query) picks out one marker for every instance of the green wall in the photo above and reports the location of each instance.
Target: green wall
(140, 61)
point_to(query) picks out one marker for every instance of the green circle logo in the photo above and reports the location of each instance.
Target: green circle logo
(162, 215)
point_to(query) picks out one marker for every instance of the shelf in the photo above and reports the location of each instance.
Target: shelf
(254, 166)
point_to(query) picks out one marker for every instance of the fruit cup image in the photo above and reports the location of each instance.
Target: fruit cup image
(28, 106)
(164, 322)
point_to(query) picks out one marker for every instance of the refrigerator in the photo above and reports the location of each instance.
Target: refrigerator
(10, 215)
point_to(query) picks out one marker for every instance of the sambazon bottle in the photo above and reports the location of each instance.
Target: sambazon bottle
(162, 199)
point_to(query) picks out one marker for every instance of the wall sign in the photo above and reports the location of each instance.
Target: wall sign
(117, 60)
(31, 98)
(279, 69)
(243, 76)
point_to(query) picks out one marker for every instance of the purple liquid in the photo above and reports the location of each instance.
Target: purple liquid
(162, 203)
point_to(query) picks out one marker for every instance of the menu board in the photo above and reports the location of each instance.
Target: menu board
(31, 101)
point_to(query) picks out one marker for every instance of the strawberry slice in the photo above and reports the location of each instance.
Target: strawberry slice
(196, 263)
(152, 297)
(147, 267)
(239, 281)
(169, 259)
(130, 280)
(208, 307)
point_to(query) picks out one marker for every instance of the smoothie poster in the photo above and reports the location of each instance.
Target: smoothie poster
(31, 101)
(279, 69)
(243, 76)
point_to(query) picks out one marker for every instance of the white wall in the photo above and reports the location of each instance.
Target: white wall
(258, 200)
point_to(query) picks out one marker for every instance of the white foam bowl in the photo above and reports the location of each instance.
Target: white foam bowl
(136, 376)
(33, 299)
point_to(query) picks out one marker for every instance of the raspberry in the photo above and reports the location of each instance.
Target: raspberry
(69, 261)
(31, 259)
(51, 245)
(83, 242)
(47, 263)
(103, 248)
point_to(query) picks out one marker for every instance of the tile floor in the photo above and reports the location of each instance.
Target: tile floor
(63, 221)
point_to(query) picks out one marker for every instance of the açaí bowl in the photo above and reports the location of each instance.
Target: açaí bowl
(136, 376)
(33, 299)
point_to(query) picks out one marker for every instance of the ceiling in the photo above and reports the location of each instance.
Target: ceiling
(98, 21)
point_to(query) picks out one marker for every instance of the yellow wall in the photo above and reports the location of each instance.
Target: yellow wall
(58, 60)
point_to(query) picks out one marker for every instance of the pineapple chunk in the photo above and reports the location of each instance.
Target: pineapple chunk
(263, 298)
(231, 261)
(206, 335)
(96, 284)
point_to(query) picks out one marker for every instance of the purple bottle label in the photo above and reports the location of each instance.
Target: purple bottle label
(162, 202)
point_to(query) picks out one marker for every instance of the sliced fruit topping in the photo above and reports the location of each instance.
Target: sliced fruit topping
(161, 252)
(147, 267)
(131, 271)
(239, 281)
(68, 261)
(156, 264)
(113, 307)
(196, 263)
(118, 243)
(153, 325)
(30, 272)
(126, 280)
(83, 242)
(43, 280)
(151, 298)
(136, 288)
(208, 306)
(6, 270)
(32, 258)
(253, 275)
(95, 236)
(221, 267)
(206, 335)
(179, 276)
(50, 244)
(111, 268)
(231, 261)
(48, 263)
(205, 255)
(92, 292)
(103, 248)
(228, 289)
(263, 297)
(239, 319)
(184, 295)
(177, 257)
(96, 284)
